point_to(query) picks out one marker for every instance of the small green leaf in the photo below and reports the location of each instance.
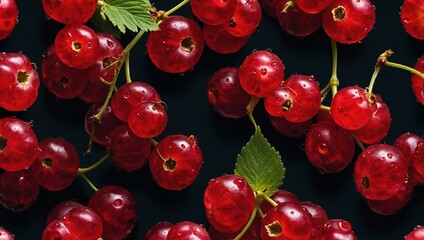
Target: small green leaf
(128, 14)
(104, 25)
(260, 164)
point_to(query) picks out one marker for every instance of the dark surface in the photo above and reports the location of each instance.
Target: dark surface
(221, 139)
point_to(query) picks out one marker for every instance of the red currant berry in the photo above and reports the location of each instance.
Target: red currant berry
(177, 46)
(350, 108)
(56, 229)
(219, 40)
(417, 82)
(319, 217)
(228, 214)
(148, 119)
(56, 166)
(118, 209)
(159, 231)
(188, 230)
(5, 235)
(9, 17)
(213, 12)
(128, 152)
(290, 129)
(380, 172)
(70, 12)
(131, 94)
(20, 82)
(348, 21)
(261, 72)
(59, 211)
(225, 93)
(287, 221)
(417, 164)
(279, 197)
(313, 6)
(18, 144)
(83, 223)
(296, 22)
(61, 80)
(416, 234)
(18, 190)
(246, 18)
(337, 229)
(251, 234)
(77, 46)
(329, 147)
(175, 161)
(411, 16)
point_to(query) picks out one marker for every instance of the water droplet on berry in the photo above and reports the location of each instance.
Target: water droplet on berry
(323, 149)
(340, 109)
(117, 203)
(390, 155)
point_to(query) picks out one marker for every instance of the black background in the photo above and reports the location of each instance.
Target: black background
(221, 139)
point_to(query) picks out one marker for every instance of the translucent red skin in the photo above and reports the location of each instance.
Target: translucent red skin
(279, 197)
(417, 164)
(229, 201)
(188, 230)
(290, 129)
(294, 220)
(350, 108)
(318, 215)
(297, 22)
(129, 95)
(358, 21)
(416, 234)
(56, 229)
(128, 152)
(169, 55)
(304, 93)
(64, 166)
(159, 231)
(70, 12)
(260, 84)
(15, 95)
(407, 143)
(246, 18)
(225, 93)
(59, 211)
(104, 128)
(378, 126)
(417, 84)
(61, 80)
(118, 209)
(220, 41)
(394, 204)
(186, 153)
(337, 229)
(9, 17)
(313, 7)
(100, 73)
(329, 147)
(5, 234)
(412, 17)
(22, 144)
(213, 12)
(83, 223)
(148, 119)
(386, 169)
(251, 234)
(90, 46)
(18, 190)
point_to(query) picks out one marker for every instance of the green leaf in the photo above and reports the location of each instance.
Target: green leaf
(104, 25)
(128, 14)
(260, 164)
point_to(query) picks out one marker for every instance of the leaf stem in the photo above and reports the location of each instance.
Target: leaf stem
(175, 8)
(334, 80)
(357, 141)
(95, 165)
(249, 109)
(268, 199)
(90, 183)
(127, 69)
(248, 224)
(373, 78)
(404, 67)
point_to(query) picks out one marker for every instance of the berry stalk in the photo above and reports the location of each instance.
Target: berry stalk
(248, 224)
(334, 80)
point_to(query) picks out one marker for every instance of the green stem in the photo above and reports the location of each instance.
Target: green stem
(268, 199)
(95, 165)
(373, 78)
(357, 141)
(175, 8)
(153, 142)
(334, 80)
(326, 108)
(248, 224)
(404, 67)
(127, 69)
(249, 109)
(88, 181)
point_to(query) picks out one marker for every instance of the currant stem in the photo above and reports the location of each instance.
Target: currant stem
(268, 199)
(90, 183)
(127, 69)
(288, 5)
(334, 80)
(373, 78)
(404, 67)
(248, 224)
(323, 107)
(95, 165)
(153, 142)
(175, 8)
(357, 141)
(249, 109)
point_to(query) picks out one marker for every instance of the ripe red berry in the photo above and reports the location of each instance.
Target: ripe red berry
(70, 12)
(59, 211)
(187, 230)
(279, 197)
(418, 82)
(83, 223)
(5, 234)
(228, 214)
(411, 18)
(175, 161)
(246, 18)
(77, 46)
(348, 21)
(380, 171)
(313, 6)
(416, 234)
(219, 40)
(261, 72)
(290, 129)
(177, 46)
(56, 166)
(159, 231)
(319, 217)
(337, 229)
(148, 119)
(56, 229)
(213, 12)
(8, 17)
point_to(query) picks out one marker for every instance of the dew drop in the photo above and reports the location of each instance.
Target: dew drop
(340, 109)
(390, 155)
(323, 149)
